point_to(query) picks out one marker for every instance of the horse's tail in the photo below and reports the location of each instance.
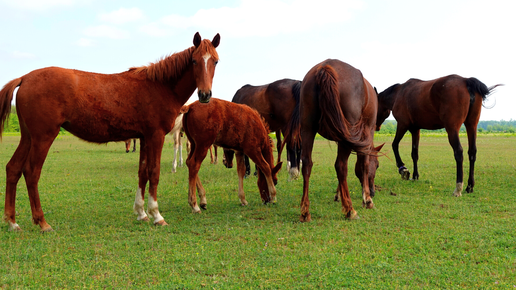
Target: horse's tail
(338, 127)
(293, 130)
(6, 97)
(477, 87)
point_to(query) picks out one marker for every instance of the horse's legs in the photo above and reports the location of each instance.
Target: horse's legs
(202, 193)
(241, 175)
(306, 158)
(341, 167)
(143, 177)
(278, 146)
(453, 138)
(194, 161)
(39, 147)
(472, 153)
(367, 191)
(400, 132)
(415, 152)
(216, 154)
(134, 145)
(13, 173)
(177, 147)
(293, 162)
(247, 166)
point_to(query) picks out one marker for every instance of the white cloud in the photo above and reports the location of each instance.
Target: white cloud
(85, 42)
(106, 31)
(122, 15)
(38, 4)
(25, 55)
(266, 17)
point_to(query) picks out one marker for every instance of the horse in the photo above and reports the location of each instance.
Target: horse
(231, 126)
(94, 107)
(337, 102)
(446, 102)
(275, 102)
(177, 134)
(128, 145)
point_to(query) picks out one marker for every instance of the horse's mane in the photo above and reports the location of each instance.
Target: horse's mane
(172, 66)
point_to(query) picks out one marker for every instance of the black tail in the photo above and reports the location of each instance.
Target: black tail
(292, 133)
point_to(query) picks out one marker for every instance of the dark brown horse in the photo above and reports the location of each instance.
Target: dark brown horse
(338, 103)
(231, 126)
(94, 107)
(446, 102)
(275, 102)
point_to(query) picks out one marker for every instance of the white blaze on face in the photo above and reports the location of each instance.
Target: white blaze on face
(206, 57)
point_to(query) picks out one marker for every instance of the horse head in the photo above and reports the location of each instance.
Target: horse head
(204, 59)
(385, 103)
(373, 166)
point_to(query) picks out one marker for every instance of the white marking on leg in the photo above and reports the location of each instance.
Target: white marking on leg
(152, 210)
(13, 226)
(180, 155)
(458, 190)
(138, 205)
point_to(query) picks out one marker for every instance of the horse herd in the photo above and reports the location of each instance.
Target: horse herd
(333, 100)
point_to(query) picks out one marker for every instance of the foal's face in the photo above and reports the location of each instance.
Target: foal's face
(204, 60)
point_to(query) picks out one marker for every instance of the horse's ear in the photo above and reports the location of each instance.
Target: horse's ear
(197, 39)
(216, 40)
(377, 149)
(376, 91)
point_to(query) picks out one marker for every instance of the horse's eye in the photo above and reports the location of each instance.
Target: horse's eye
(216, 62)
(194, 61)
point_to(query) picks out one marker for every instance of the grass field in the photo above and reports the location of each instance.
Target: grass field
(417, 236)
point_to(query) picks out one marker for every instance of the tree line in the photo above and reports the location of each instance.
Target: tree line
(388, 127)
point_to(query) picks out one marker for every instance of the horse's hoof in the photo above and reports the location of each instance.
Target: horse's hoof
(145, 219)
(203, 206)
(469, 189)
(305, 218)
(14, 227)
(161, 223)
(47, 230)
(405, 174)
(352, 215)
(369, 204)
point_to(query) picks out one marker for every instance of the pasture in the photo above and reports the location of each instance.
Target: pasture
(417, 236)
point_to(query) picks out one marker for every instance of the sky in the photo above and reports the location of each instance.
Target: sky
(268, 40)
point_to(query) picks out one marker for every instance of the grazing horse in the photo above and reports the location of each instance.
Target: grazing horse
(128, 145)
(231, 126)
(94, 107)
(338, 103)
(446, 102)
(275, 102)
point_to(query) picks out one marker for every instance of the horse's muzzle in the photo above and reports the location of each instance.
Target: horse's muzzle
(204, 96)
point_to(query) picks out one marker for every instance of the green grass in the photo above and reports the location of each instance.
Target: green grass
(417, 236)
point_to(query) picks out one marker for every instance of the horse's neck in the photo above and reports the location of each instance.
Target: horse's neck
(184, 86)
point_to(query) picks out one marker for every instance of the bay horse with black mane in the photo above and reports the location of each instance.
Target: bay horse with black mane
(340, 104)
(94, 107)
(235, 127)
(446, 102)
(275, 102)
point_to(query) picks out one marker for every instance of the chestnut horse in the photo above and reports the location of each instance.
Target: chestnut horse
(338, 103)
(231, 126)
(446, 102)
(275, 102)
(94, 107)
